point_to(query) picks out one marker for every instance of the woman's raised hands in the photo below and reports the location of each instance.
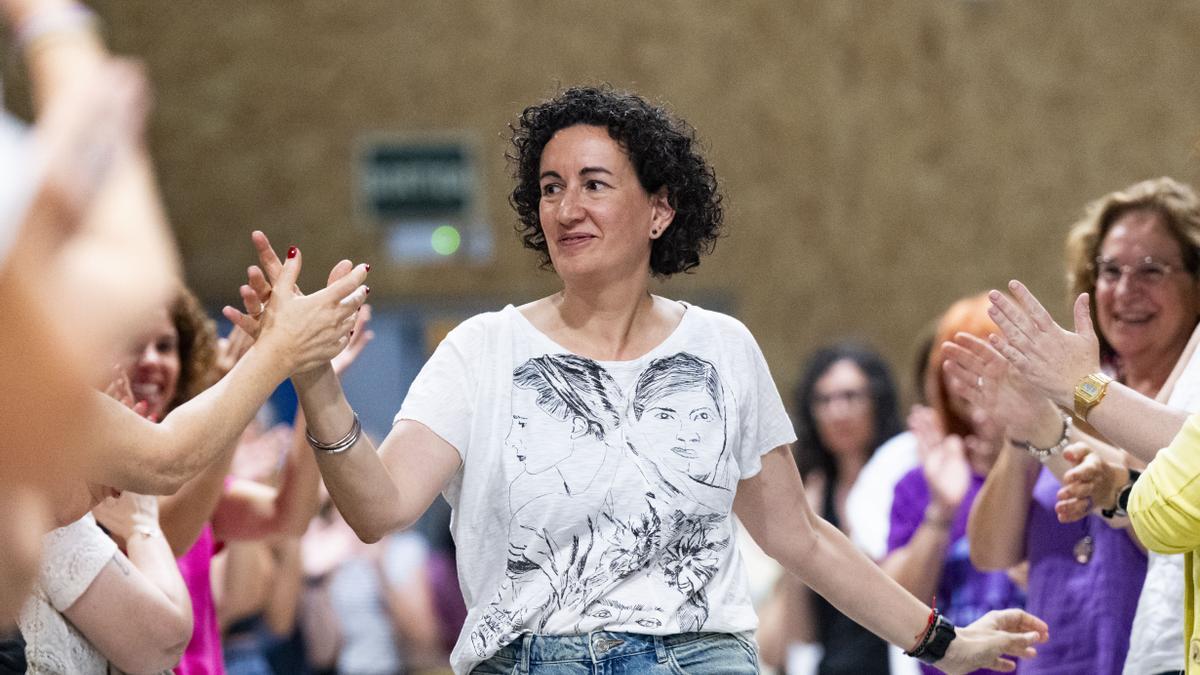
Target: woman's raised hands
(1050, 357)
(119, 389)
(303, 330)
(943, 460)
(982, 376)
(128, 514)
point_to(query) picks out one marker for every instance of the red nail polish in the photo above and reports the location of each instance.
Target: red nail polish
(292, 251)
(368, 289)
(368, 267)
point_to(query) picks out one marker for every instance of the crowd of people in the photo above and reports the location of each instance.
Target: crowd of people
(567, 482)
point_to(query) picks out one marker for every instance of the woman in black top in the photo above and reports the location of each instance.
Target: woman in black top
(845, 407)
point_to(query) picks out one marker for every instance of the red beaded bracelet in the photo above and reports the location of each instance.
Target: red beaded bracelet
(923, 636)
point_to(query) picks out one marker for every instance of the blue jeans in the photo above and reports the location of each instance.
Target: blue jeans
(604, 653)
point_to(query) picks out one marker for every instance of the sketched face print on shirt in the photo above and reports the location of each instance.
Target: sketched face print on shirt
(604, 491)
(553, 436)
(621, 614)
(565, 434)
(679, 416)
(562, 407)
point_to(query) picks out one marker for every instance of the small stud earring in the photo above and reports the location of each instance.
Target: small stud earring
(654, 232)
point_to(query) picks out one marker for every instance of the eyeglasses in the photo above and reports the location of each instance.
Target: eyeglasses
(1145, 272)
(850, 397)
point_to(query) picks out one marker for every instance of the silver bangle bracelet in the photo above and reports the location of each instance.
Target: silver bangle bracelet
(1057, 448)
(341, 445)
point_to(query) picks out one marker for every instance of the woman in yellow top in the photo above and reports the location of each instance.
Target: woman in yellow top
(1164, 505)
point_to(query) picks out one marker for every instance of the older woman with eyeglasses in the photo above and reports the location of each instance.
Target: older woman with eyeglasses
(1136, 255)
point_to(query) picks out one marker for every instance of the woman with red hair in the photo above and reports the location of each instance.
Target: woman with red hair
(928, 551)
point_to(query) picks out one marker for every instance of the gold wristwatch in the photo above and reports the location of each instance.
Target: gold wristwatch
(1089, 392)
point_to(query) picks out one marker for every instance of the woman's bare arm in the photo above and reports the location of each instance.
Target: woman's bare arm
(996, 526)
(773, 508)
(251, 510)
(283, 602)
(242, 576)
(376, 492)
(159, 458)
(137, 612)
(299, 332)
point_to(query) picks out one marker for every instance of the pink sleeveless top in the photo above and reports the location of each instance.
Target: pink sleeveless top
(203, 655)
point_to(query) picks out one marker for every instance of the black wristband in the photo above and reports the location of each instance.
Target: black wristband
(1119, 509)
(937, 643)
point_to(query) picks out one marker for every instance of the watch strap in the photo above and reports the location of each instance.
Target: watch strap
(1089, 392)
(1120, 509)
(939, 641)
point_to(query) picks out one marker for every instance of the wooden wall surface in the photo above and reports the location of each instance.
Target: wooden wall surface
(880, 158)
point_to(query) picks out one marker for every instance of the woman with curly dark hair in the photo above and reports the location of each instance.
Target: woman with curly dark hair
(666, 162)
(612, 190)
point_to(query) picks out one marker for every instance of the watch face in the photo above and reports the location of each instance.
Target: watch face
(1090, 388)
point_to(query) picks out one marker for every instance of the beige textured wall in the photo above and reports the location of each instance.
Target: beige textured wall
(880, 158)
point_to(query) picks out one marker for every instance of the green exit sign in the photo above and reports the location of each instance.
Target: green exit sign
(422, 195)
(405, 180)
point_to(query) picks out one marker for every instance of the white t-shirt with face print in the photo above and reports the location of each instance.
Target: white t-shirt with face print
(598, 495)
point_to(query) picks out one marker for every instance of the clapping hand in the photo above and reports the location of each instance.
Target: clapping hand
(943, 461)
(119, 389)
(256, 292)
(128, 514)
(981, 375)
(305, 330)
(1051, 358)
(1091, 481)
(230, 349)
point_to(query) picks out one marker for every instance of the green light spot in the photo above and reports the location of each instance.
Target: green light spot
(445, 240)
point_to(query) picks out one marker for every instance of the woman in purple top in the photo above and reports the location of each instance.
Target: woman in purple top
(927, 543)
(964, 593)
(1091, 596)
(1134, 261)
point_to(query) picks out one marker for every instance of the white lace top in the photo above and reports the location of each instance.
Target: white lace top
(72, 558)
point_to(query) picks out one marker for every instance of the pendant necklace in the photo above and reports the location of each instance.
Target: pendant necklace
(1086, 545)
